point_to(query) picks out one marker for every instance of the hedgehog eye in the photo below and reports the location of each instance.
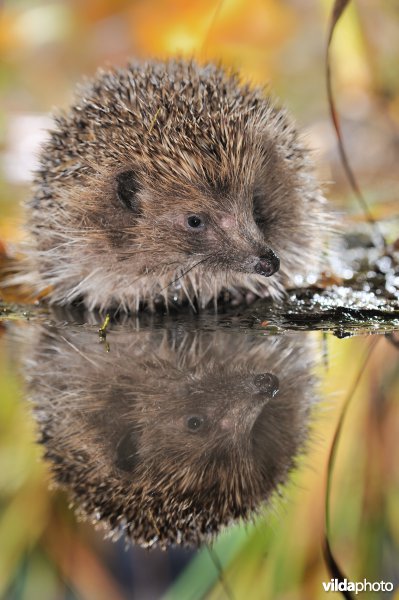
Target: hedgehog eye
(127, 189)
(194, 423)
(267, 383)
(195, 222)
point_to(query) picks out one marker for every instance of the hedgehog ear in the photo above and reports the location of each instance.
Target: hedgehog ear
(127, 189)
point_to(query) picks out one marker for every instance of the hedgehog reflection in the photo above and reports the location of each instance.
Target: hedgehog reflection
(168, 437)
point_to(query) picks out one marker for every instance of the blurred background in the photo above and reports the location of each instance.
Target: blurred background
(46, 48)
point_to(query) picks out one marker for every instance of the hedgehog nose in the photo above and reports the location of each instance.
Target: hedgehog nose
(268, 264)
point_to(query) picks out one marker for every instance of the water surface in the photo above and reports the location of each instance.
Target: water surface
(206, 431)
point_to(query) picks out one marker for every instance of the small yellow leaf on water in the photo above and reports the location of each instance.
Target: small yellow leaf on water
(103, 329)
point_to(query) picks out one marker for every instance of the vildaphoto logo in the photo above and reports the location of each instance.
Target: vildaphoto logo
(336, 585)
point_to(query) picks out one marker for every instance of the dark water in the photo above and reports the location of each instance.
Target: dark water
(167, 430)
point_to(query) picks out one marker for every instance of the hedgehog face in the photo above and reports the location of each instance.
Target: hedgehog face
(212, 233)
(159, 229)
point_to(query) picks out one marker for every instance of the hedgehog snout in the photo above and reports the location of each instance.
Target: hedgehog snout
(268, 263)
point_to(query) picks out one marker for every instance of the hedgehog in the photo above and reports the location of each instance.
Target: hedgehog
(167, 183)
(174, 434)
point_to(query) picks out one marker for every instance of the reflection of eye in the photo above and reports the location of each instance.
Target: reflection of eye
(267, 383)
(194, 423)
(195, 222)
(126, 452)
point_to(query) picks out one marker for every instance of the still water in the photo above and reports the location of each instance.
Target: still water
(205, 439)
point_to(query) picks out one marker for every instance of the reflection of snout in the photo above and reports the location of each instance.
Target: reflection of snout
(268, 263)
(241, 419)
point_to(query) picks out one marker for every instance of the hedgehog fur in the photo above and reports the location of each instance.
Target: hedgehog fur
(171, 182)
